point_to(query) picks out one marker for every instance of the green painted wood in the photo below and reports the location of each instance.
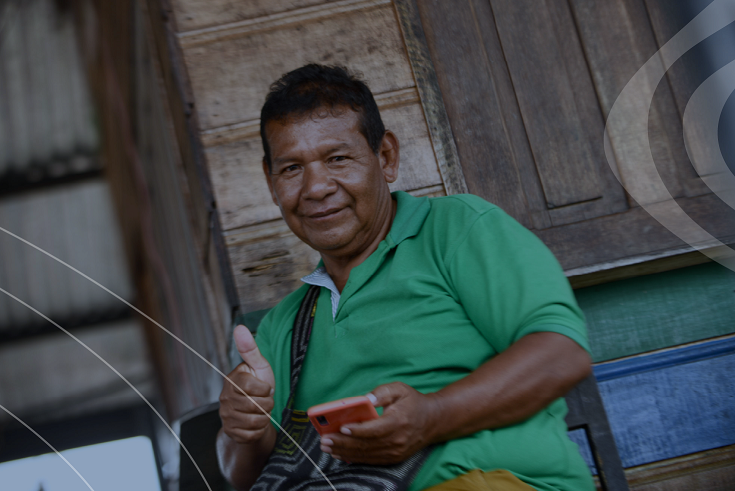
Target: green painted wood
(657, 311)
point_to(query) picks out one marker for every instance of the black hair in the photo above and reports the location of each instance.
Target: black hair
(313, 86)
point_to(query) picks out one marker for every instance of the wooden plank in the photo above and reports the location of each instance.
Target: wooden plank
(657, 311)
(633, 267)
(634, 235)
(472, 105)
(251, 129)
(672, 412)
(683, 77)
(617, 41)
(432, 102)
(559, 137)
(713, 470)
(268, 261)
(242, 194)
(196, 14)
(516, 133)
(230, 78)
(282, 21)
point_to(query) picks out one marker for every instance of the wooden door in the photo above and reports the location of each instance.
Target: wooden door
(527, 87)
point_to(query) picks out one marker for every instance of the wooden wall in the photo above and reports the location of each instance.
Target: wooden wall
(232, 52)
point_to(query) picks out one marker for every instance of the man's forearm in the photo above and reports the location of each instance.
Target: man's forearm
(510, 387)
(241, 463)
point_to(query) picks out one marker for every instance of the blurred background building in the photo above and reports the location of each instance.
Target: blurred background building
(129, 148)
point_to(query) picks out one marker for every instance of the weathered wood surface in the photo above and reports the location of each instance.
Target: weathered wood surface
(473, 105)
(634, 235)
(670, 412)
(432, 101)
(713, 470)
(548, 102)
(230, 77)
(656, 311)
(686, 74)
(617, 40)
(521, 154)
(268, 261)
(242, 194)
(198, 14)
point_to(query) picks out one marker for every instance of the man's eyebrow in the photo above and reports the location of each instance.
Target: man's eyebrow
(281, 161)
(334, 148)
(337, 147)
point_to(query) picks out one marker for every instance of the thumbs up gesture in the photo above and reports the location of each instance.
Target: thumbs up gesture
(242, 420)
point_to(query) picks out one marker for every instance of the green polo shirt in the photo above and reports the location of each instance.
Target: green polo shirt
(455, 282)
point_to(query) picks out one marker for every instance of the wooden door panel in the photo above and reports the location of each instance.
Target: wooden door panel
(685, 75)
(559, 140)
(526, 121)
(473, 105)
(617, 40)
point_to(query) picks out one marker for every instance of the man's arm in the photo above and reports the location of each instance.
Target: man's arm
(508, 388)
(241, 463)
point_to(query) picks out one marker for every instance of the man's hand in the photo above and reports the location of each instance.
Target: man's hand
(243, 417)
(404, 428)
(247, 438)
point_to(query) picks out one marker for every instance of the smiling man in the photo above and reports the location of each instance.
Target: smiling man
(457, 321)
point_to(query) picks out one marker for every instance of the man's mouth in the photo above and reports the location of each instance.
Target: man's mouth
(324, 213)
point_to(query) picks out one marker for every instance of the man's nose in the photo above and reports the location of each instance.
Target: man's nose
(318, 183)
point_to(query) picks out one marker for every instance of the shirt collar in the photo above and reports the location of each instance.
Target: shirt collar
(410, 216)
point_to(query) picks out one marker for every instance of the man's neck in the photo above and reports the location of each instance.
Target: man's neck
(339, 267)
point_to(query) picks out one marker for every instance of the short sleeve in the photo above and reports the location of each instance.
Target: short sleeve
(510, 284)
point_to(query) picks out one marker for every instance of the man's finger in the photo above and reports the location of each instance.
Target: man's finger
(376, 428)
(250, 354)
(385, 395)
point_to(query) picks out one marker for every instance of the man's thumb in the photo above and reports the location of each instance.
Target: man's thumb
(250, 354)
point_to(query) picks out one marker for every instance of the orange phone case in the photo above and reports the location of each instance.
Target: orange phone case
(330, 416)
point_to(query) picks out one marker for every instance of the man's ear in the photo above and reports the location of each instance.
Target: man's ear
(267, 173)
(389, 156)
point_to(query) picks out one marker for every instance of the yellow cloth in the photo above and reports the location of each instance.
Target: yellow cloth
(477, 480)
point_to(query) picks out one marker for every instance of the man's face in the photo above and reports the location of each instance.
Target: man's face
(331, 187)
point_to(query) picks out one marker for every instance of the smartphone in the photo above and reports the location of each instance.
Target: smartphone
(330, 416)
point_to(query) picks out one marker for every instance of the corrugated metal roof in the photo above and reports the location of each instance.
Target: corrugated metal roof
(76, 223)
(46, 115)
(47, 130)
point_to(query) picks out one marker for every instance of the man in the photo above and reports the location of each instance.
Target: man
(456, 320)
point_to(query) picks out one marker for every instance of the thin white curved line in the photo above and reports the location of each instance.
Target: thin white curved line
(174, 337)
(47, 444)
(116, 373)
(701, 119)
(627, 128)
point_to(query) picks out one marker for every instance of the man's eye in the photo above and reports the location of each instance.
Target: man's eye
(290, 169)
(338, 158)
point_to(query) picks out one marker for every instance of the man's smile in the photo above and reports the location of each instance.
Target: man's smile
(324, 215)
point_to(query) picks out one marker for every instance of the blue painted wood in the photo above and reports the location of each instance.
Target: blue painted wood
(655, 361)
(669, 412)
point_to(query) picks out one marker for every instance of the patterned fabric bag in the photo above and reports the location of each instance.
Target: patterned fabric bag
(288, 469)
